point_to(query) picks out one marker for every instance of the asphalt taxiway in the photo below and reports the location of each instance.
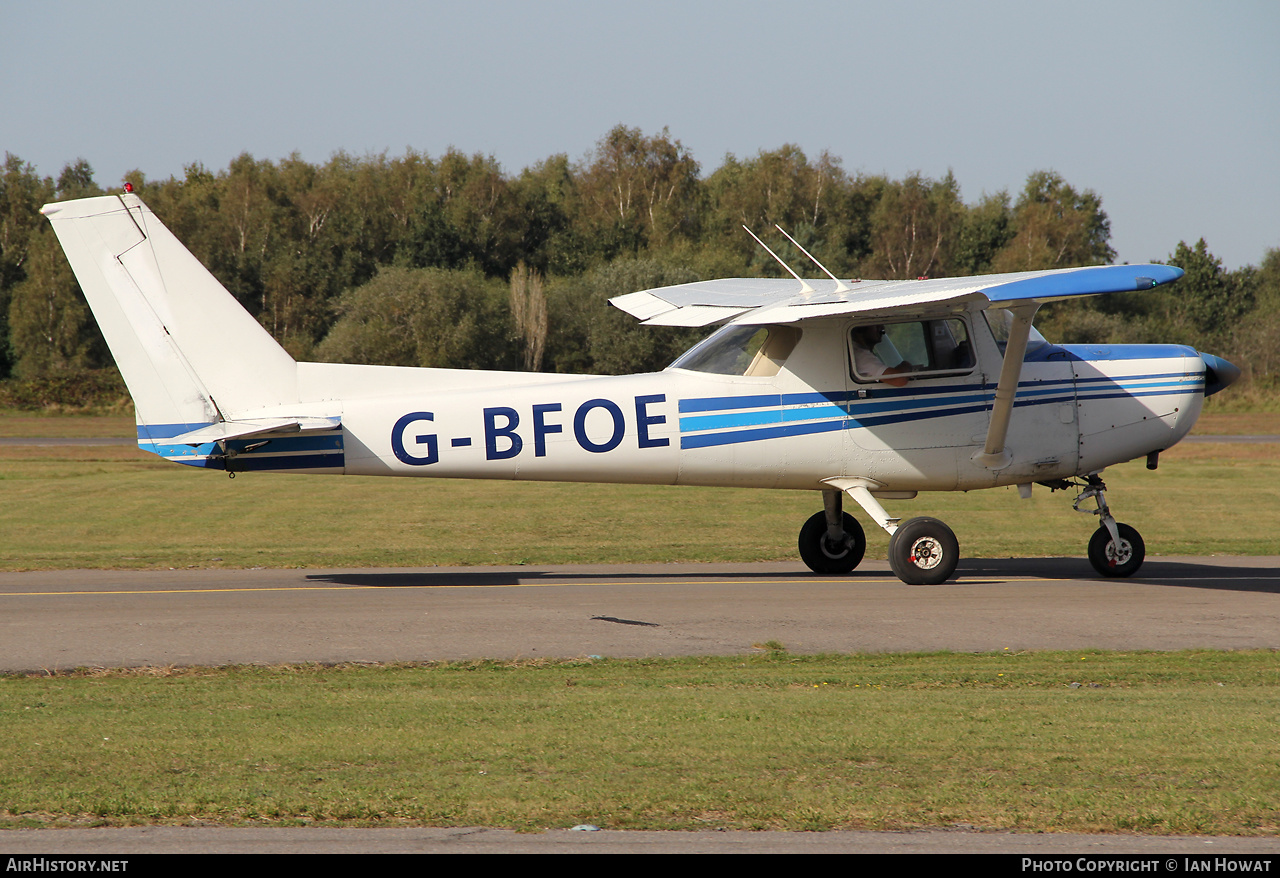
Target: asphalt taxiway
(67, 619)
(62, 620)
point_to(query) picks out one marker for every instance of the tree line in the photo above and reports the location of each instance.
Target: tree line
(450, 261)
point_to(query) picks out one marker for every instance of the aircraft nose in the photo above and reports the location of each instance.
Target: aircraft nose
(1219, 374)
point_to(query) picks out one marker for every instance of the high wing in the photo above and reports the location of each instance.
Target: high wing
(776, 300)
(765, 301)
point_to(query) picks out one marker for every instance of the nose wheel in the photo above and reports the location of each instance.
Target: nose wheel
(1119, 555)
(1115, 549)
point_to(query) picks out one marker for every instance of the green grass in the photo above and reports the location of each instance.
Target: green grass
(66, 508)
(53, 425)
(1083, 742)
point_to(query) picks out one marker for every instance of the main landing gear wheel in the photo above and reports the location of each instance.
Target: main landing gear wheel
(822, 554)
(923, 551)
(1111, 560)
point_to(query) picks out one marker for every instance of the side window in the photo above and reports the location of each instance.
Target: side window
(949, 345)
(911, 349)
(777, 346)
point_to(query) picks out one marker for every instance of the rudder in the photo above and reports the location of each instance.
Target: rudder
(189, 353)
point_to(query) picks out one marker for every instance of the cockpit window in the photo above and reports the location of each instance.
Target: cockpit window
(916, 348)
(752, 351)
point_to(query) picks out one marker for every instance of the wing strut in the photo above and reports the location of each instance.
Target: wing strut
(994, 454)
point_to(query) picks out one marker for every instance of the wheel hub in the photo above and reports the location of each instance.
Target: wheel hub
(926, 553)
(836, 548)
(1119, 554)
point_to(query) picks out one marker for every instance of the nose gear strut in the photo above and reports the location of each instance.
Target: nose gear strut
(1115, 549)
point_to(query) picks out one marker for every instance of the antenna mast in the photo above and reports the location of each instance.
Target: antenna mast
(804, 285)
(840, 285)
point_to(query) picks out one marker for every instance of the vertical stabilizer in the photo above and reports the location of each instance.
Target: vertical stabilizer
(189, 353)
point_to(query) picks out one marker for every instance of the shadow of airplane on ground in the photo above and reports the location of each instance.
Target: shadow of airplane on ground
(481, 578)
(1183, 573)
(1223, 575)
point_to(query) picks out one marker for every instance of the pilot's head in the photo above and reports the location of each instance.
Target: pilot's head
(869, 336)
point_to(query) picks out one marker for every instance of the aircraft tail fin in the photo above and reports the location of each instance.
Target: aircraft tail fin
(189, 353)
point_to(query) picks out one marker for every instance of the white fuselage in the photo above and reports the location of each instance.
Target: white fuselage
(1077, 410)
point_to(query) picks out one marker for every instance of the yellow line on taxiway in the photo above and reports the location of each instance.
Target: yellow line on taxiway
(392, 588)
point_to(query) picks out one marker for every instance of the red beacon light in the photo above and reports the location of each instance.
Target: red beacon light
(128, 187)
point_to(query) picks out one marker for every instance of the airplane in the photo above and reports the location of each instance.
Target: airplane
(868, 389)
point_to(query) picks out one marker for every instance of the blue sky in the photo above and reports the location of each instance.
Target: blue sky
(1168, 110)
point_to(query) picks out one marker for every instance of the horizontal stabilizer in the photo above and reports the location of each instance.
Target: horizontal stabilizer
(242, 429)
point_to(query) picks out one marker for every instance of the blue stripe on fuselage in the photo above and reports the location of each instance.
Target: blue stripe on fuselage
(729, 420)
(311, 450)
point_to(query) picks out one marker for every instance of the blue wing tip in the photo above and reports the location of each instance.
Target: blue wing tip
(1091, 281)
(1144, 277)
(1155, 274)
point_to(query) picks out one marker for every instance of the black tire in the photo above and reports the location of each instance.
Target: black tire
(1107, 561)
(821, 556)
(923, 551)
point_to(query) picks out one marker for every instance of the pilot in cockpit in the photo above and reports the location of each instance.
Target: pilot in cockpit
(868, 364)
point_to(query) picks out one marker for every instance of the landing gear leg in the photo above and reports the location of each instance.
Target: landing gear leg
(1115, 549)
(922, 551)
(832, 541)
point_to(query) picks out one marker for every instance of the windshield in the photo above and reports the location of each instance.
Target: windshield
(753, 351)
(1000, 319)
